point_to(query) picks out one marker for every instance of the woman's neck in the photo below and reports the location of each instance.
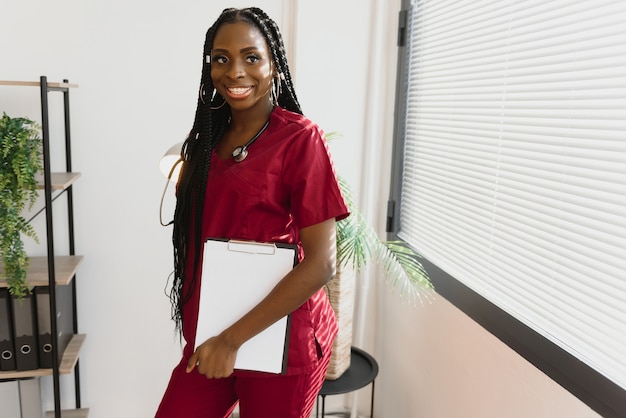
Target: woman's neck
(250, 119)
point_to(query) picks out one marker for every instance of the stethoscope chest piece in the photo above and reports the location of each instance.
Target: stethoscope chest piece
(240, 153)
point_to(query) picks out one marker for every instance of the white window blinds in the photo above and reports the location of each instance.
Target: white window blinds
(514, 176)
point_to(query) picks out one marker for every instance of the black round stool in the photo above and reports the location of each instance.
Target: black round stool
(362, 371)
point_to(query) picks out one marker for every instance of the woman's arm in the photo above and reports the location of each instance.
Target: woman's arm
(215, 358)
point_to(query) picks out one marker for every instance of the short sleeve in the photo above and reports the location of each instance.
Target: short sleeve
(310, 178)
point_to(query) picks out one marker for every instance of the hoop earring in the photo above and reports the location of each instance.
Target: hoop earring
(217, 107)
(201, 93)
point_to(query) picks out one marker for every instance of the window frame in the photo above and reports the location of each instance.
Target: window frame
(591, 387)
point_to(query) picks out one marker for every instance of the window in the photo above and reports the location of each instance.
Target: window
(511, 159)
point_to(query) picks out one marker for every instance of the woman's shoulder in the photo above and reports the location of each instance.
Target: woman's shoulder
(298, 136)
(296, 123)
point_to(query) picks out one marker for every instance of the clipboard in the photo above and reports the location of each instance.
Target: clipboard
(236, 276)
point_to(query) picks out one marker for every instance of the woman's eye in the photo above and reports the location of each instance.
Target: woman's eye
(253, 58)
(219, 59)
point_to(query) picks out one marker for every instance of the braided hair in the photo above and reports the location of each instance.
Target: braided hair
(210, 123)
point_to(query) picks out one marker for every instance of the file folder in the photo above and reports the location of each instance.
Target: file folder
(7, 346)
(25, 332)
(64, 318)
(236, 276)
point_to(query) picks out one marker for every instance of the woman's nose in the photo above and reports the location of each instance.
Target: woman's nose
(236, 69)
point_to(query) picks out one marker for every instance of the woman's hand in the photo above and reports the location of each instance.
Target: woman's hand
(215, 358)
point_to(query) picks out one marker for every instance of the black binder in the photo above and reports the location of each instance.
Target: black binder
(25, 332)
(64, 318)
(7, 347)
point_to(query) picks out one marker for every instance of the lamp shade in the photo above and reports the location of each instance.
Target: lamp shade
(169, 160)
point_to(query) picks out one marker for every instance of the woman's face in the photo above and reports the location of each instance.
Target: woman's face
(241, 66)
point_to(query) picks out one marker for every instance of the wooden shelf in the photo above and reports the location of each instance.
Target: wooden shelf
(68, 361)
(64, 268)
(70, 413)
(60, 181)
(36, 84)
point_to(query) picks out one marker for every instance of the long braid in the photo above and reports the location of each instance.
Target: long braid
(270, 30)
(210, 124)
(191, 187)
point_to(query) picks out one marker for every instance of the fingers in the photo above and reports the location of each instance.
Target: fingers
(211, 372)
(212, 361)
(193, 362)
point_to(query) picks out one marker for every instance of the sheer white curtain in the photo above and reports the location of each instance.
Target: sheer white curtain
(375, 145)
(375, 148)
(514, 175)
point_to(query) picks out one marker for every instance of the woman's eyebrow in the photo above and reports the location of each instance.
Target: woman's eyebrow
(242, 50)
(248, 49)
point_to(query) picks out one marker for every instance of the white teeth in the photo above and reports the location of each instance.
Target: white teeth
(239, 90)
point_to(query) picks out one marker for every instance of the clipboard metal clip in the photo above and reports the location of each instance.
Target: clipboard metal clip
(251, 247)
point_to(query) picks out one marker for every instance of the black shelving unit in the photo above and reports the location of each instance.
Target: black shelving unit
(54, 270)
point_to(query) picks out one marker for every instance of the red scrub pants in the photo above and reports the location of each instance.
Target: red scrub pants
(260, 395)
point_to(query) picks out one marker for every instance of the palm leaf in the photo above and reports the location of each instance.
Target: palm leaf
(358, 244)
(403, 269)
(355, 239)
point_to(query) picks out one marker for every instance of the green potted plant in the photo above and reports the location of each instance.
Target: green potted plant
(21, 161)
(358, 244)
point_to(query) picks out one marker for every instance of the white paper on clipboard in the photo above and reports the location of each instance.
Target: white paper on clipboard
(236, 276)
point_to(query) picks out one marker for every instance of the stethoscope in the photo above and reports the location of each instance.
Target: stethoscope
(241, 152)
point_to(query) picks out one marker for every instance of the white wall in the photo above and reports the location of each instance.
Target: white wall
(138, 67)
(440, 363)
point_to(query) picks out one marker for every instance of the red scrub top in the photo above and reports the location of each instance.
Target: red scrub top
(287, 182)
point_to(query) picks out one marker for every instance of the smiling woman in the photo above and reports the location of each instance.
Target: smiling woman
(242, 73)
(284, 192)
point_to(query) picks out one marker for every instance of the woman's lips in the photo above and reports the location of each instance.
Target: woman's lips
(238, 92)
